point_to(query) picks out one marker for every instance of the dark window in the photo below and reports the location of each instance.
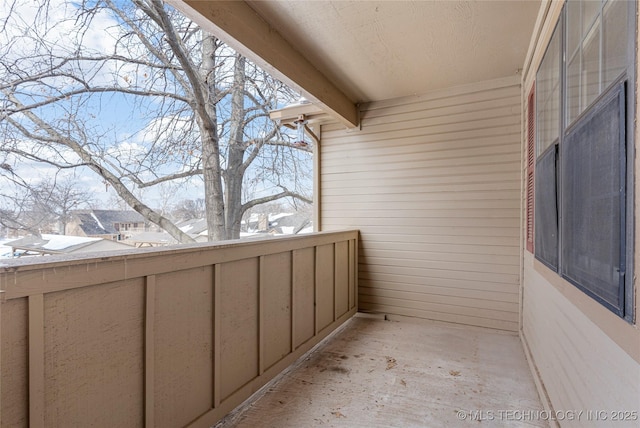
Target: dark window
(593, 201)
(546, 208)
(548, 108)
(584, 166)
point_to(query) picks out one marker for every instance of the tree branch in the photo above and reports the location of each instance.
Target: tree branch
(65, 95)
(147, 44)
(142, 184)
(118, 186)
(286, 193)
(304, 148)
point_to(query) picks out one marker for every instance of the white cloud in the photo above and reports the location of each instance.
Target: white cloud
(32, 30)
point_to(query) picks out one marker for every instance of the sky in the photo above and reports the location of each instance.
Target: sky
(114, 117)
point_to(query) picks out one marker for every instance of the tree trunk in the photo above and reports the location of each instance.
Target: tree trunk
(212, 174)
(235, 171)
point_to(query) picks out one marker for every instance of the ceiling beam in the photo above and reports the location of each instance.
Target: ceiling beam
(242, 28)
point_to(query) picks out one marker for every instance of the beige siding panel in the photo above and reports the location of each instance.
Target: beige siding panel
(454, 286)
(183, 345)
(87, 331)
(432, 272)
(342, 278)
(447, 298)
(459, 200)
(438, 148)
(444, 251)
(421, 263)
(400, 185)
(14, 405)
(414, 174)
(456, 257)
(580, 366)
(453, 114)
(412, 237)
(491, 218)
(446, 316)
(165, 337)
(276, 298)
(474, 164)
(410, 227)
(435, 188)
(436, 128)
(396, 287)
(455, 309)
(433, 184)
(460, 96)
(325, 285)
(419, 135)
(304, 294)
(239, 324)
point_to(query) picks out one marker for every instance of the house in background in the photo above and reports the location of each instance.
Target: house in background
(195, 227)
(457, 147)
(61, 244)
(290, 224)
(5, 251)
(254, 226)
(115, 225)
(150, 239)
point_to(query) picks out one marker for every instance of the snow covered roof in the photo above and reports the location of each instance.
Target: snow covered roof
(289, 224)
(5, 251)
(62, 244)
(274, 217)
(193, 226)
(102, 222)
(157, 238)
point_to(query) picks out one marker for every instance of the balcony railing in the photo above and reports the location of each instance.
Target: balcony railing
(174, 337)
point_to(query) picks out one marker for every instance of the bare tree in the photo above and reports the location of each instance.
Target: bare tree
(189, 209)
(14, 200)
(196, 109)
(52, 202)
(45, 205)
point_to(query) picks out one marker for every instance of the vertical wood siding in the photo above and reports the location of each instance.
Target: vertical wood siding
(433, 184)
(165, 338)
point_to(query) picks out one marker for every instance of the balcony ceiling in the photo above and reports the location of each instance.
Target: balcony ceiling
(376, 50)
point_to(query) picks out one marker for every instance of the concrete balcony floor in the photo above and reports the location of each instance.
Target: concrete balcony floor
(379, 373)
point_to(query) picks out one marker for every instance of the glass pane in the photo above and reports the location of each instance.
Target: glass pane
(548, 79)
(615, 40)
(592, 199)
(546, 210)
(590, 67)
(573, 88)
(573, 26)
(539, 130)
(590, 8)
(554, 112)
